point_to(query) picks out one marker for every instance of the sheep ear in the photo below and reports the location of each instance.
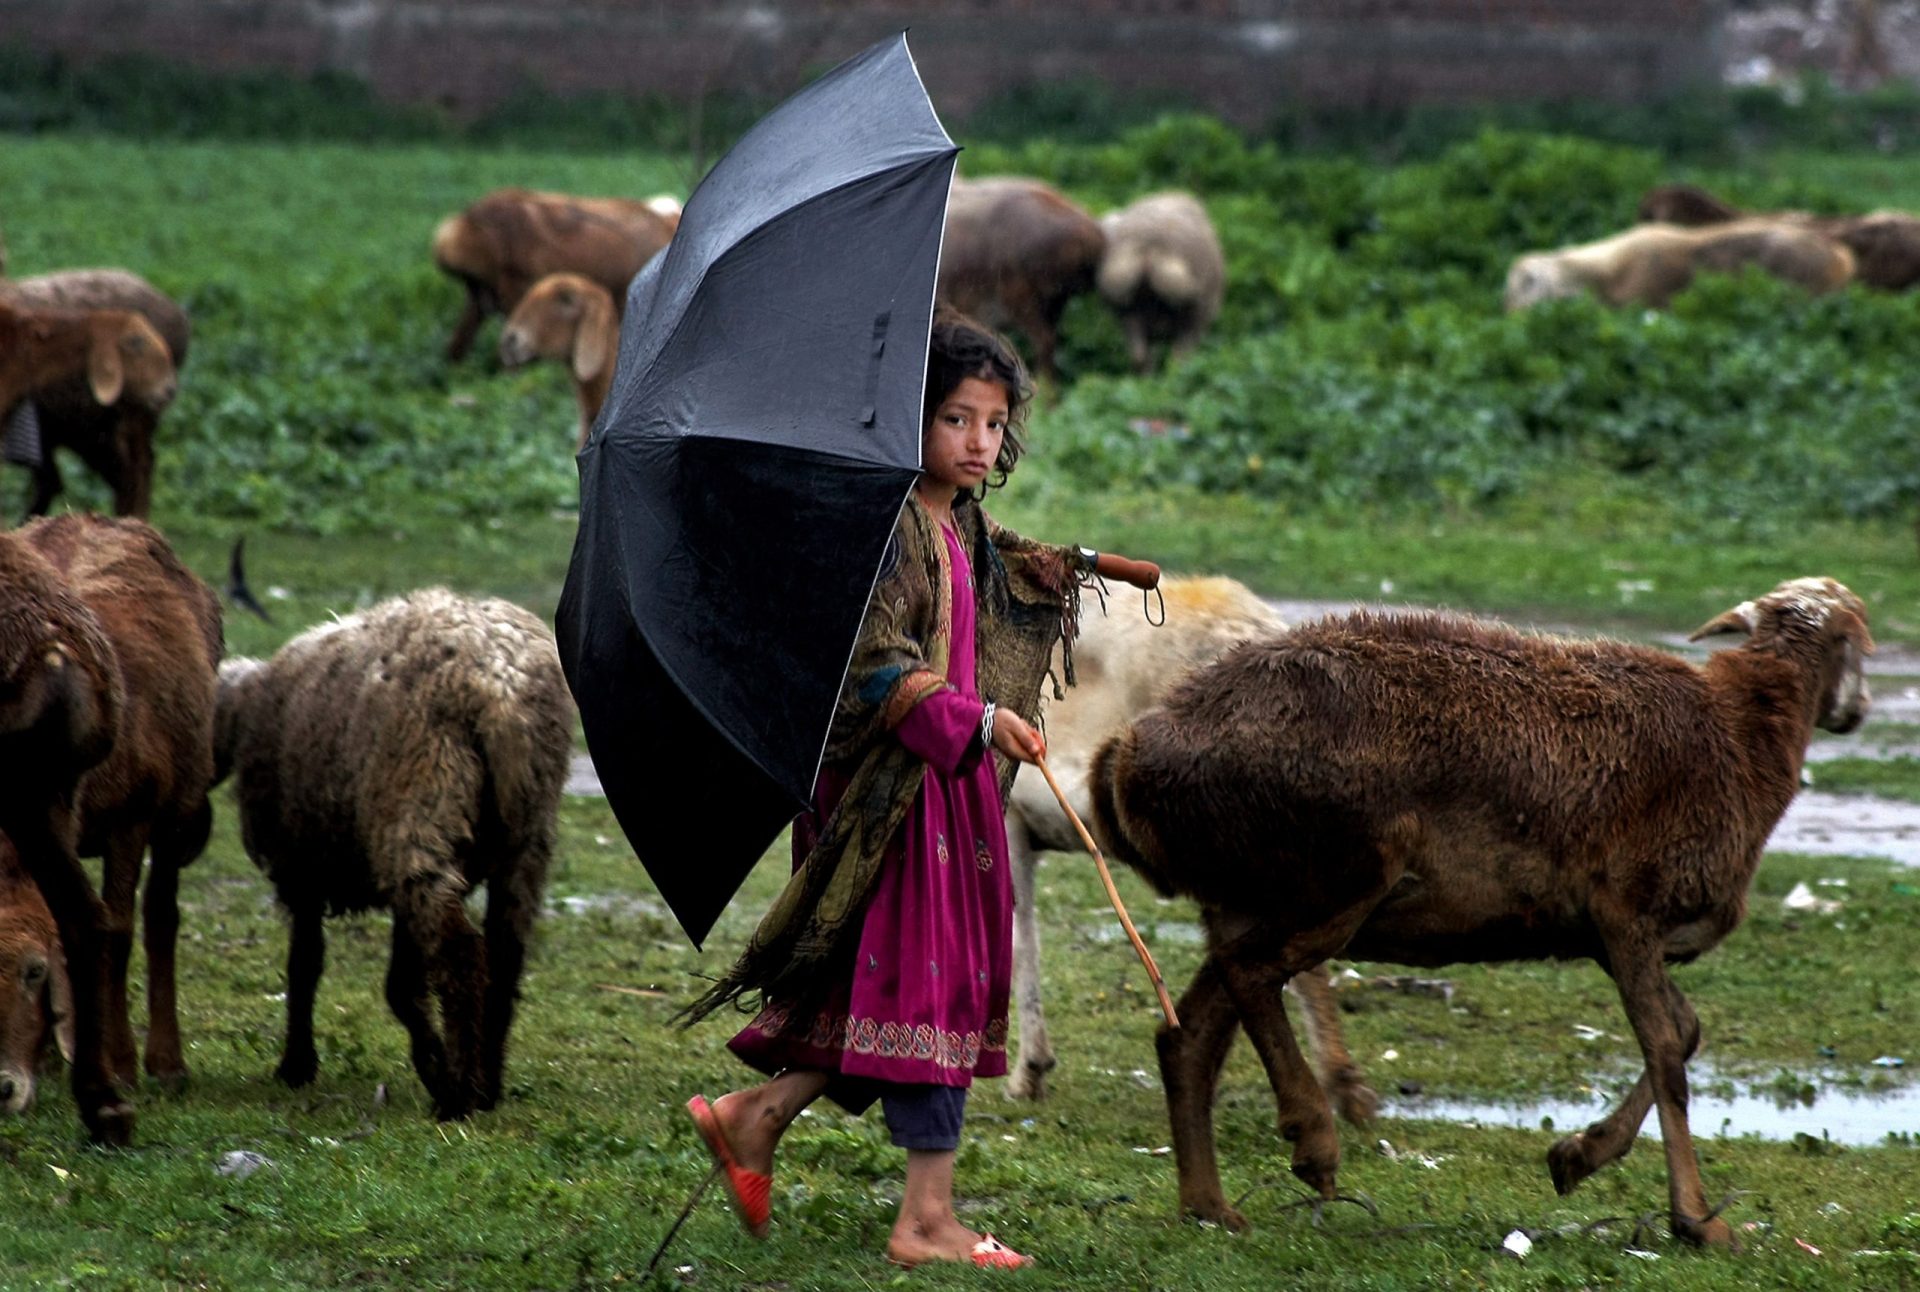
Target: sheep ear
(1740, 619)
(594, 339)
(104, 373)
(59, 992)
(1854, 629)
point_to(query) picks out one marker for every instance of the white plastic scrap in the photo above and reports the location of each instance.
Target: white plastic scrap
(1889, 1061)
(1517, 1245)
(1642, 1253)
(1802, 899)
(241, 1163)
(1586, 1033)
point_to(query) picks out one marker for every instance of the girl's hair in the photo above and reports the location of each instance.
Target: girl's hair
(960, 348)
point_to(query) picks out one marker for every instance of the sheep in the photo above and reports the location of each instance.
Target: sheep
(1885, 244)
(572, 319)
(511, 238)
(100, 379)
(396, 759)
(1651, 263)
(36, 1001)
(1125, 666)
(1015, 252)
(108, 645)
(1163, 273)
(1431, 789)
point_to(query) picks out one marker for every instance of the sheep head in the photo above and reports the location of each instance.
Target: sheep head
(1541, 276)
(127, 358)
(36, 1002)
(566, 317)
(1817, 617)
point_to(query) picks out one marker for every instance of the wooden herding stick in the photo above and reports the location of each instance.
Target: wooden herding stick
(1113, 894)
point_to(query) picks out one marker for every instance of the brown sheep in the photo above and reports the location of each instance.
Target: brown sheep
(106, 724)
(397, 759)
(1125, 666)
(572, 319)
(1163, 273)
(36, 1002)
(1016, 251)
(1885, 244)
(112, 359)
(1650, 264)
(1429, 789)
(511, 238)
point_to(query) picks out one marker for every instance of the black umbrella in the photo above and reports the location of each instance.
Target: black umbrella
(741, 482)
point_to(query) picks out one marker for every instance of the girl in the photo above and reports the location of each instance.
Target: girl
(884, 968)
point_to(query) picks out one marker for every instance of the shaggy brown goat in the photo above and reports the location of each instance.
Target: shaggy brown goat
(570, 318)
(36, 1002)
(1431, 790)
(399, 758)
(1016, 251)
(1885, 244)
(1163, 273)
(108, 647)
(116, 440)
(1126, 665)
(511, 238)
(1652, 263)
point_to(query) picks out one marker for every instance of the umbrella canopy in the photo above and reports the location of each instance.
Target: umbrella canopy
(741, 482)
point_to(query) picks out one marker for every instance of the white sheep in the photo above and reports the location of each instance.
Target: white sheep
(1650, 264)
(1163, 273)
(397, 759)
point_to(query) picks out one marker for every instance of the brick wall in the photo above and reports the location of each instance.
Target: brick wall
(1244, 58)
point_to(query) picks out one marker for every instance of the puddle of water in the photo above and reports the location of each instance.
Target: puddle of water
(1182, 932)
(1843, 1116)
(606, 904)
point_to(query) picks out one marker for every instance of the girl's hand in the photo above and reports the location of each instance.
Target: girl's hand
(1014, 738)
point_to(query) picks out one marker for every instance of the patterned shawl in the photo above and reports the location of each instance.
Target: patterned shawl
(1028, 595)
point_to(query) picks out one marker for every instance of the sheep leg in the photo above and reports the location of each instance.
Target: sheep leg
(454, 954)
(120, 883)
(306, 960)
(1575, 1157)
(1645, 990)
(1191, 1057)
(1305, 1120)
(1138, 348)
(131, 472)
(512, 903)
(471, 316)
(175, 845)
(407, 998)
(46, 849)
(1345, 1085)
(1033, 1048)
(47, 484)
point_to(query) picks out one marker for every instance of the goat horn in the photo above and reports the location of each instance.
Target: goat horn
(1740, 619)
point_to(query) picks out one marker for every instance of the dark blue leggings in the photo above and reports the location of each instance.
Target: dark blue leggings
(924, 1117)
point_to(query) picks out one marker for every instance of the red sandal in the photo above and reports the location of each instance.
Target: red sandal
(992, 1254)
(752, 1190)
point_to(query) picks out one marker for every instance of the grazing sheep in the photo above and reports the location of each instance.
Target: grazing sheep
(1430, 789)
(1651, 263)
(1125, 666)
(400, 758)
(36, 1002)
(1885, 244)
(1016, 251)
(1163, 273)
(572, 319)
(511, 238)
(100, 379)
(108, 645)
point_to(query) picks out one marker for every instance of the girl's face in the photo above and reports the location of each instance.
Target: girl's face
(961, 445)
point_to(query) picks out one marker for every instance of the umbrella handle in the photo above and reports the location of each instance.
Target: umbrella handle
(1106, 877)
(1144, 575)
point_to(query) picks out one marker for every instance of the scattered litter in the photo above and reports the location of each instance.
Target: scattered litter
(277, 593)
(1802, 899)
(602, 841)
(1407, 984)
(1889, 1061)
(1388, 1056)
(1643, 1253)
(1757, 1227)
(240, 1163)
(1833, 883)
(650, 993)
(1806, 1246)
(1587, 1033)
(1385, 1149)
(1162, 1151)
(1011, 1139)
(1517, 1244)
(61, 1172)
(1831, 1209)
(1350, 974)
(1028, 1123)
(1141, 1079)
(1828, 1052)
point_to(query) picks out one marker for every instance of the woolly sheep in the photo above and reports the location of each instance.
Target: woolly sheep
(397, 759)
(1651, 263)
(1163, 273)
(1885, 244)
(1430, 789)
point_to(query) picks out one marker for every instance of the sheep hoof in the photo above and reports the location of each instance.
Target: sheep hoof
(1570, 1162)
(1218, 1213)
(110, 1124)
(1711, 1232)
(173, 1082)
(1028, 1080)
(1355, 1099)
(297, 1072)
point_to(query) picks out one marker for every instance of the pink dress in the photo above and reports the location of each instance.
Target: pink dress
(926, 1002)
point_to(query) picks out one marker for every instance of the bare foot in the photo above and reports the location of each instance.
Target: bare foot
(915, 1242)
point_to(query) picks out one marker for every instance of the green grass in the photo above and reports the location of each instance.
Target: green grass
(1897, 777)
